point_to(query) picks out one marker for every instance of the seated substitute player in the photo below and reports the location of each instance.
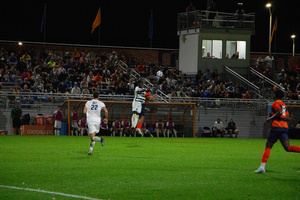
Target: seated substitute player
(232, 128)
(218, 128)
(126, 127)
(159, 128)
(145, 130)
(82, 126)
(74, 115)
(57, 115)
(92, 110)
(170, 128)
(279, 130)
(116, 127)
(104, 127)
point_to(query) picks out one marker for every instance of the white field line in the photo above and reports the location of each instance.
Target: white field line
(49, 192)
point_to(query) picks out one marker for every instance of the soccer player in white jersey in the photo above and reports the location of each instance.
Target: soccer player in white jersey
(93, 113)
(138, 101)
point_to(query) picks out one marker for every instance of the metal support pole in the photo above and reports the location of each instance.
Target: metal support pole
(270, 29)
(293, 46)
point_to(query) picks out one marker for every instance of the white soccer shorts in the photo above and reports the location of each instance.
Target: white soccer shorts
(93, 128)
(57, 124)
(74, 124)
(137, 107)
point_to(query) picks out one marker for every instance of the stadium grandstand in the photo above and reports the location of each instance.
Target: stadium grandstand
(40, 78)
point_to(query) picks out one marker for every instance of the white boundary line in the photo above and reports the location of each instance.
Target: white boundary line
(49, 192)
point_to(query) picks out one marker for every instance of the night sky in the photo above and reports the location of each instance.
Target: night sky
(125, 23)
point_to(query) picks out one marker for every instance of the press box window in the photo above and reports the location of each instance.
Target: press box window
(236, 47)
(212, 48)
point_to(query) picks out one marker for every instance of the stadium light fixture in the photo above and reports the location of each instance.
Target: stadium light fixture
(268, 5)
(20, 43)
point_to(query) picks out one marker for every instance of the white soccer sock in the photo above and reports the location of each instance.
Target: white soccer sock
(76, 132)
(262, 165)
(95, 138)
(72, 132)
(135, 119)
(132, 120)
(92, 144)
(58, 132)
(114, 134)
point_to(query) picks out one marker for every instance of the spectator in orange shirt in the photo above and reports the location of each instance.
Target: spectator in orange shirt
(98, 78)
(141, 68)
(76, 54)
(247, 96)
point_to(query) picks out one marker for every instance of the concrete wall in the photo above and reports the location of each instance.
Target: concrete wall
(188, 54)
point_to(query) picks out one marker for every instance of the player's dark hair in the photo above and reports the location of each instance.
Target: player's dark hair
(96, 94)
(140, 82)
(279, 94)
(74, 107)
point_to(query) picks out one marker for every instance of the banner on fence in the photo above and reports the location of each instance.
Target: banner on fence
(37, 130)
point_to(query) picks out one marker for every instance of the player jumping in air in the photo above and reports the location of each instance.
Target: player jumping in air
(139, 99)
(142, 114)
(279, 130)
(93, 112)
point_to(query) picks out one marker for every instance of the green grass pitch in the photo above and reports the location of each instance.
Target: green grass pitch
(146, 168)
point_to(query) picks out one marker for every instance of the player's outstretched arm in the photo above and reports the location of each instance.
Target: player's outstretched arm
(275, 116)
(84, 110)
(106, 114)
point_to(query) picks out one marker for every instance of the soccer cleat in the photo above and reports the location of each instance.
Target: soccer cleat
(90, 153)
(260, 170)
(102, 141)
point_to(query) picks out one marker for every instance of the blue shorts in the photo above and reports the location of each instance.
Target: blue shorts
(278, 133)
(143, 111)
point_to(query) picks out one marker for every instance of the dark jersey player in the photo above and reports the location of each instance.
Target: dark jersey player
(279, 130)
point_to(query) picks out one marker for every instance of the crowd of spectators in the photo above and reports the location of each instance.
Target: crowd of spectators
(287, 78)
(77, 74)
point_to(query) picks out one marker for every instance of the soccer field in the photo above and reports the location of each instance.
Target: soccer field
(145, 168)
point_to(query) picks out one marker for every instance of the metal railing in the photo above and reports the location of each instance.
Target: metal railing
(267, 84)
(210, 19)
(260, 75)
(135, 75)
(255, 89)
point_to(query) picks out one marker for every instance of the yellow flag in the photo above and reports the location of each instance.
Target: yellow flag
(274, 29)
(97, 21)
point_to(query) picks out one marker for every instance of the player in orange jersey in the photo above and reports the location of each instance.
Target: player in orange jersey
(279, 130)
